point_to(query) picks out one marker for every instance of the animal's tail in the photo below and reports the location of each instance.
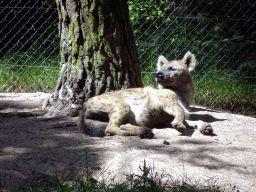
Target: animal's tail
(91, 127)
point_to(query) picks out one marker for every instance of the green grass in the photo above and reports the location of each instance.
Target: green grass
(147, 181)
(224, 89)
(25, 73)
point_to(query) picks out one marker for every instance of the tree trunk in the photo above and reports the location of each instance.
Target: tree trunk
(98, 52)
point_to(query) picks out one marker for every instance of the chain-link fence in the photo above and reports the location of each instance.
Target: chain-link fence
(221, 34)
(29, 40)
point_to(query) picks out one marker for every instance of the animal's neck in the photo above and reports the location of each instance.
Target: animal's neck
(184, 95)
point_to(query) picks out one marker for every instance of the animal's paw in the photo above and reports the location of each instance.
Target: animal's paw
(146, 133)
(131, 130)
(127, 133)
(179, 126)
(117, 131)
(205, 128)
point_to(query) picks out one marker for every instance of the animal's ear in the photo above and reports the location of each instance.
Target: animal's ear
(161, 61)
(190, 60)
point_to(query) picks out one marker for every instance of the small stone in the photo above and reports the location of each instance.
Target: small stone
(166, 142)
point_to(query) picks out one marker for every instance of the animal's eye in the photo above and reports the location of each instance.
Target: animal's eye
(171, 69)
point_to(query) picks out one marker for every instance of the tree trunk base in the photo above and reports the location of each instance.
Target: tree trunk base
(64, 102)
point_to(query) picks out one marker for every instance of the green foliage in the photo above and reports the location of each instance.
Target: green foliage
(145, 181)
(161, 28)
(85, 164)
(30, 26)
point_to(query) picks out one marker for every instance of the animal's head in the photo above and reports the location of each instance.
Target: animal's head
(175, 73)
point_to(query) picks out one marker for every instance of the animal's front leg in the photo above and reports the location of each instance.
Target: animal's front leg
(179, 117)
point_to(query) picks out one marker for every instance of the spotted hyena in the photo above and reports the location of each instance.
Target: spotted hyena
(137, 111)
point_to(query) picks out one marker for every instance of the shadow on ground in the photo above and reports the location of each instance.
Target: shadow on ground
(32, 145)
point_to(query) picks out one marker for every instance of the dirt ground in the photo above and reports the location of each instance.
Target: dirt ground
(32, 146)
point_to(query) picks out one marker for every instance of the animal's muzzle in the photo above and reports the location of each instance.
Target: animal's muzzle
(159, 75)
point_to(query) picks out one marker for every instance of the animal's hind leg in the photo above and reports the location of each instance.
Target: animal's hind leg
(117, 117)
(142, 132)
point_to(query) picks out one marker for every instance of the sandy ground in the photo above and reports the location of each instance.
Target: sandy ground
(32, 146)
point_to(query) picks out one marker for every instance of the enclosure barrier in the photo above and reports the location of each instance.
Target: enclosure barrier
(221, 34)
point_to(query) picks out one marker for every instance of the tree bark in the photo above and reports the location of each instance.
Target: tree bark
(98, 52)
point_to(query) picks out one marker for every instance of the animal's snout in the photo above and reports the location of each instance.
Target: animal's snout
(159, 74)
